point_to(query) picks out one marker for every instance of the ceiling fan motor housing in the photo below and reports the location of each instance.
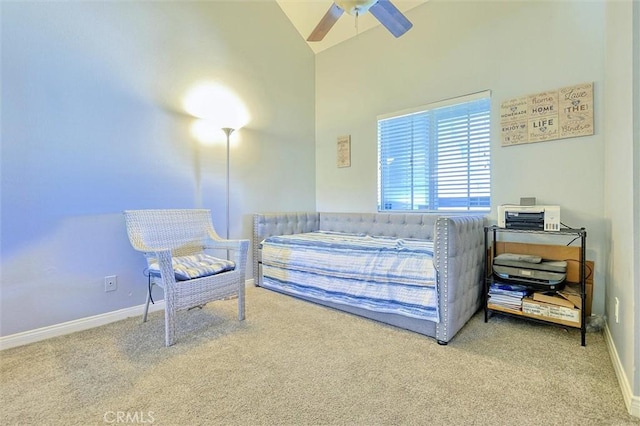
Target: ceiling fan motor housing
(383, 10)
(355, 7)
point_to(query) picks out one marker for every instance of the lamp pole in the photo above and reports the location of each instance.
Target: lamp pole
(227, 131)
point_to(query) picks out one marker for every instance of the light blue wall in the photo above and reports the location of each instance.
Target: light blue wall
(93, 123)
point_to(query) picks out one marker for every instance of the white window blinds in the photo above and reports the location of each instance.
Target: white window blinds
(436, 157)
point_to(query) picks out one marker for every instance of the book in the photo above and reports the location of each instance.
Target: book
(507, 295)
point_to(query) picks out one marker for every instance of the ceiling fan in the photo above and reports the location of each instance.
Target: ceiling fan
(383, 10)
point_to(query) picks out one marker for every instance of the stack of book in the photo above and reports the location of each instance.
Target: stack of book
(508, 296)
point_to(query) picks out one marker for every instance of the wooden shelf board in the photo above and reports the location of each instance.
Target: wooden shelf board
(498, 308)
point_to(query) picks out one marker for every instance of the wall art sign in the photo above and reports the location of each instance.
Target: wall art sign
(546, 116)
(344, 151)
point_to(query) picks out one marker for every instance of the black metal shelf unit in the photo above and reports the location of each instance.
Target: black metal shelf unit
(490, 239)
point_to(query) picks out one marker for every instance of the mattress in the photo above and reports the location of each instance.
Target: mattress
(380, 274)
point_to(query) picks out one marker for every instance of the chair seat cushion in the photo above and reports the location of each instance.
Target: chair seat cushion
(195, 266)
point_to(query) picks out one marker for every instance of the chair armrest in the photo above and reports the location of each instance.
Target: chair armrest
(227, 244)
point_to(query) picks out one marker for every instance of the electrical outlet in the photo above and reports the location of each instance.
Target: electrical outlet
(110, 283)
(617, 310)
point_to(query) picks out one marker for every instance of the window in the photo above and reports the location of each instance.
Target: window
(436, 157)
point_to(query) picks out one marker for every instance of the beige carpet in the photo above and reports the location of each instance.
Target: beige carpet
(295, 363)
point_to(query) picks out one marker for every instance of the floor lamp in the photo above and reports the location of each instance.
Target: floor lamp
(227, 131)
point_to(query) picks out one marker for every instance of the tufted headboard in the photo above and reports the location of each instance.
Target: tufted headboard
(395, 225)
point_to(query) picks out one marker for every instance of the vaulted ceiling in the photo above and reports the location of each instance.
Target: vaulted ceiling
(305, 15)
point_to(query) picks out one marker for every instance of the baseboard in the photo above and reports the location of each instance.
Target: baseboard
(631, 401)
(32, 336)
(81, 324)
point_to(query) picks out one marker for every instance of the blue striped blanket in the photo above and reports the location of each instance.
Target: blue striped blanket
(375, 273)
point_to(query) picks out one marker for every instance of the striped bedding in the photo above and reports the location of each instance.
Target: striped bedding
(375, 273)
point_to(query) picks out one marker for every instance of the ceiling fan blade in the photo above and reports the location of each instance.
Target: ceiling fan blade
(390, 17)
(328, 20)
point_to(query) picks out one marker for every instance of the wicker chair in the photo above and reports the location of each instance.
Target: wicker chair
(167, 236)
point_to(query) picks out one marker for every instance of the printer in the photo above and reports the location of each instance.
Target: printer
(530, 270)
(538, 218)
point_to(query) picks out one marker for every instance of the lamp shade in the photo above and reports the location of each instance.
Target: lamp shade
(217, 105)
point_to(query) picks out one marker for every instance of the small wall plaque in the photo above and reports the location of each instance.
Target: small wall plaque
(344, 151)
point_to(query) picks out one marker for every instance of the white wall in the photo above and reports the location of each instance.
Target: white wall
(456, 48)
(93, 123)
(620, 183)
(636, 204)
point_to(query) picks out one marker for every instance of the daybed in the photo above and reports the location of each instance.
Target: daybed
(449, 294)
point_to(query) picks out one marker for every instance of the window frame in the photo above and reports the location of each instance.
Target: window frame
(478, 163)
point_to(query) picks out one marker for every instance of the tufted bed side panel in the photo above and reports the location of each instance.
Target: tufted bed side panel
(458, 258)
(268, 224)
